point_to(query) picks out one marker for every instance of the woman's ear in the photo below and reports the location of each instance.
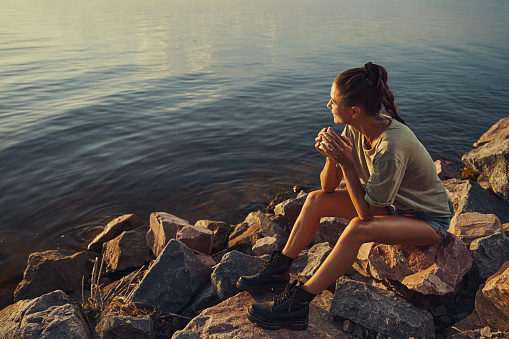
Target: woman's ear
(356, 111)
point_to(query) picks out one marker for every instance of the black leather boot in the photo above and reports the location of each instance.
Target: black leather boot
(275, 275)
(289, 309)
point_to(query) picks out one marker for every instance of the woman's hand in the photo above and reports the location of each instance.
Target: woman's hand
(337, 148)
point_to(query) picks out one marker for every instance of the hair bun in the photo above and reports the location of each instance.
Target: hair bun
(369, 70)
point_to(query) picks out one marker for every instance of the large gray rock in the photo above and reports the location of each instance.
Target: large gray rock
(474, 198)
(128, 250)
(53, 315)
(205, 299)
(228, 320)
(173, 279)
(489, 254)
(291, 208)
(492, 159)
(330, 230)
(265, 245)
(117, 326)
(163, 228)
(268, 227)
(310, 260)
(380, 310)
(114, 228)
(53, 270)
(232, 266)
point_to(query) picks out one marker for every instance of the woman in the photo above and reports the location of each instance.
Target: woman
(402, 201)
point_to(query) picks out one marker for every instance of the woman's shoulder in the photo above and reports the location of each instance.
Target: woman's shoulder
(398, 140)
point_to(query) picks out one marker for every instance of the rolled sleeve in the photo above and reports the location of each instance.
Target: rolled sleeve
(384, 183)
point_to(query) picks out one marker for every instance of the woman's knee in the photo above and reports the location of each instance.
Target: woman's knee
(357, 230)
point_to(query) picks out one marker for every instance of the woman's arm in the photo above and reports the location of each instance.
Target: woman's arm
(341, 153)
(357, 192)
(330, 177)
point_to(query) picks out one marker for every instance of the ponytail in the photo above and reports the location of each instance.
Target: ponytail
(368, 86)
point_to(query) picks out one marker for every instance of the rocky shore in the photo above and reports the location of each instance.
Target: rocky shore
(166, 278)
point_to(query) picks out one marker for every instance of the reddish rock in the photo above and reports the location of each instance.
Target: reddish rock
(128, 250)
(220, 229)
(199, 239)
(489, 314)
(228, 320)
(434, 269)
(472, 225)
(53, 270)
(498, 131)
(445, 171)
(114, 228)
(291, 208)
(496, 290)
(163, 228)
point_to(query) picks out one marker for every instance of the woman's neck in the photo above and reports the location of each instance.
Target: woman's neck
(372, 128)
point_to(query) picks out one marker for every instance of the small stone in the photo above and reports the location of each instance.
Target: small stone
(348, 326)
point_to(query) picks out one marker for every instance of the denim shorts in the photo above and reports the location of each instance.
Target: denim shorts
(440, 225)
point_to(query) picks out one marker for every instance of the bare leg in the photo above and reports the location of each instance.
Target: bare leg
(388, 229)
(319, 204)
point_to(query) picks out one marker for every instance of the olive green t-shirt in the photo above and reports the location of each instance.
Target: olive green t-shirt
(399, 171)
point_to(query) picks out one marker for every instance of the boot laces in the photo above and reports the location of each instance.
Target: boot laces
(271, 261)
(288, 293)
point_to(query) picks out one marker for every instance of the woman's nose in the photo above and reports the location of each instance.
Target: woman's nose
(328, 104)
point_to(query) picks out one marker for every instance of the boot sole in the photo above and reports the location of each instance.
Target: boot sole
(276, 289)
(294, 325)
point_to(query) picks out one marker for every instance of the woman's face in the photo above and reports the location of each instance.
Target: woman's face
(338, 107)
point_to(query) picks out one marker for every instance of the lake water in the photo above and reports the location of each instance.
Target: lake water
(207, 108)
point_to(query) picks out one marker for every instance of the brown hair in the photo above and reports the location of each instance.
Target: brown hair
(367, 85)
